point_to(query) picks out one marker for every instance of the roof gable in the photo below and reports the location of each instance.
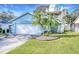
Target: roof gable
(17, 18)
(76, 20)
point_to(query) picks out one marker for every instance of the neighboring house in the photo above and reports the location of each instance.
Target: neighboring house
(42, 9)
(4, 28)
(76, 25)
(58, 13)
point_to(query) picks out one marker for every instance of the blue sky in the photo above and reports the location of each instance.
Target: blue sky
(19, 9)
(70, 7)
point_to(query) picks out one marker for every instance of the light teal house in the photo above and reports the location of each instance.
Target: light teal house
(22, 25)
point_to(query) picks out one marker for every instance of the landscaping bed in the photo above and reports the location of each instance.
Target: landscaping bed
(47, 38)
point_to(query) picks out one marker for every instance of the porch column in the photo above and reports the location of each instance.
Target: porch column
(5, 31)
(9, 29)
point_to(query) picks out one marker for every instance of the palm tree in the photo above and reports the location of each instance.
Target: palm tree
(37, 18)
(46, 21)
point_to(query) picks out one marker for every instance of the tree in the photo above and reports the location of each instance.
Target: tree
(45, 21)
(6, 16)
(37, 18)
(69, 19)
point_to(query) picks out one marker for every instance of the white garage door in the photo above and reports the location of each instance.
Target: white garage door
(27, 29)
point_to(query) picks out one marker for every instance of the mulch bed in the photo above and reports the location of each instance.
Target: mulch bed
(47, 38)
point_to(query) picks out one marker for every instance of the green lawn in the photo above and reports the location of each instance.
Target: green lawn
(68, 43)
(2, 35)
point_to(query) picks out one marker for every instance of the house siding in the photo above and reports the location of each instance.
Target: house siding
(76, 25)
(13, 29)
(76, 28)
(58, 29)
(23, 25)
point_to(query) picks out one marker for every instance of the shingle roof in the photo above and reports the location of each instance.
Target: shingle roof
(76, 20)
(55, 12)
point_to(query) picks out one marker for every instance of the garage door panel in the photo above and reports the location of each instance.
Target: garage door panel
(27, 29)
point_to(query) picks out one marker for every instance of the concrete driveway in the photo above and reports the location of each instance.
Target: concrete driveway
(7, 44)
